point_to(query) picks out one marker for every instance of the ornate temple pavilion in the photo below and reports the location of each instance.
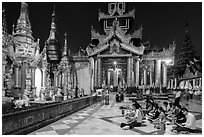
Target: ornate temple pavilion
(115, 57)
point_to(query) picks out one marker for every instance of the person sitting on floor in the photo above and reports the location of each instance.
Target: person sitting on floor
(180, 117)
(133, 121)
(189, 125)
(155, 114)
(171, 114)
(166, 107)
(117, 97)
(160, 122)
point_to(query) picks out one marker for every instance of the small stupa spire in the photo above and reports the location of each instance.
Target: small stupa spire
(64, 53)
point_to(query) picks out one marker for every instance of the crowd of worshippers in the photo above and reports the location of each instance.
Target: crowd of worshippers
(183, 120)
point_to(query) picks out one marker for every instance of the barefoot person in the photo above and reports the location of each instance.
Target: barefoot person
(189, 125)
(133, 120)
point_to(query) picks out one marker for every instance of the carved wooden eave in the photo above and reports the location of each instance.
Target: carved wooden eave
(102, 38)
(80, 58)
(137, 33)
(189, 75)
(102, 15)
(121, 35)
(133, 49)
(98, 49)
(164, 54)
(114, 55)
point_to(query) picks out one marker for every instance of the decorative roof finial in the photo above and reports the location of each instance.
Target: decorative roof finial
(13, 28)
(64, 53)
(53, 14)
(24, 22)
(53, 25)
(187, 27)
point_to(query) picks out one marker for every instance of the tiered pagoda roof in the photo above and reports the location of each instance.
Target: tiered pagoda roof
(53, 45)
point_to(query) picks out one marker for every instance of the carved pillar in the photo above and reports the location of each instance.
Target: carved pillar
(108, 78)
(16, 69)
(194, 83)
(150, 77)
(164, 75)
(137, 70)
(95, 73)
(4, 62)
(172, 83)
(129, 71)
(55, 78)
(43, 78)
(33, 87)
(59, 79)
(17, 85)
(145, 76)
(65, 83)
(158, 73)
(175, 83)
(23, 77)
(99, 72)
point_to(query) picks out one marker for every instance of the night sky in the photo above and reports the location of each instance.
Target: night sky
(162, 22)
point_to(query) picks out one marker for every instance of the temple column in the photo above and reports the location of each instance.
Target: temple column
(129, 71)
(65, 85)
(95, 73)
(145, 76)
(23, 77)
(55, 78)
(194, 83)
(4, 62)
(108, 78)
(17, 85)
(99, 73)
(150, 77)
(115, 78)
(175, 83)
(164, 75)
(16, 69)
(158, 73)
(137, 70)
(43, 78)
(172, 83)
(33, 87)
(60, 79)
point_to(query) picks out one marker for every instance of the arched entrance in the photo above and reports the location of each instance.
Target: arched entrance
(114, 73)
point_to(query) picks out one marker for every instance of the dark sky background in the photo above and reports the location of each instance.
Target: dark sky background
(162, 22)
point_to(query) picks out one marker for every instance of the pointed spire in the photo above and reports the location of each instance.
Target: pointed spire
(64, 53)
(53, 49)
(186, 27)
(53, 25)
(23, 24)
(13, 28)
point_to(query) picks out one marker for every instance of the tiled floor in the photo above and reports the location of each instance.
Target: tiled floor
(100, 119)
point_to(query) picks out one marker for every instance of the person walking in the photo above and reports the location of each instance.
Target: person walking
(177, 97)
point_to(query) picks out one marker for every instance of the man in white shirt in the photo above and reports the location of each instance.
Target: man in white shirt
(177, 97)
(190, 124)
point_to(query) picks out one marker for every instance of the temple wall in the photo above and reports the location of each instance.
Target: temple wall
(84, 79)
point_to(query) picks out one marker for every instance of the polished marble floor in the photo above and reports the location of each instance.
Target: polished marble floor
(100, 119)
